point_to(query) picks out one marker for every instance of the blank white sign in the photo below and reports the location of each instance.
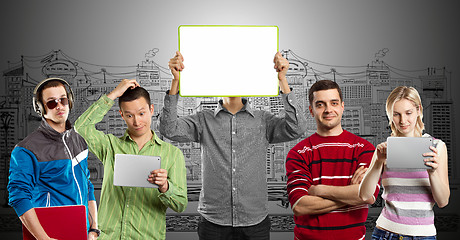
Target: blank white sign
(228, 61)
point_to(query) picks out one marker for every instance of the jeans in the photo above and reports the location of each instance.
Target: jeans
(210, 231)
(380, 234)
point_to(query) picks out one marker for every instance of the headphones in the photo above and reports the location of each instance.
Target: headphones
(38, 105)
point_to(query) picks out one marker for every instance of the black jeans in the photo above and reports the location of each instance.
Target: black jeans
(210, 231)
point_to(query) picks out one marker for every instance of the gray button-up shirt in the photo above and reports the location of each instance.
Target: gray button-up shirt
(233, 155)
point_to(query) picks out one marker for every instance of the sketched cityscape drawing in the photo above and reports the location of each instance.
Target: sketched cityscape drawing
(365, 89)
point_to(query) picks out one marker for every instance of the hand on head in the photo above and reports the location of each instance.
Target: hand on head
(122, 87)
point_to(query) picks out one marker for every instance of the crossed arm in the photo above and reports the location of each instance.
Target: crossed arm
(324, 198)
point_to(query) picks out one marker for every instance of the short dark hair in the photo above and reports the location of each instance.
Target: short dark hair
(49, 84)
(323, 85)
(133, 94)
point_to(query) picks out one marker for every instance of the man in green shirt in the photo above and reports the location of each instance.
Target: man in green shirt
(132, 212)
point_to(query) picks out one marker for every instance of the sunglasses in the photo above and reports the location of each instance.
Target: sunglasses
(53, 103)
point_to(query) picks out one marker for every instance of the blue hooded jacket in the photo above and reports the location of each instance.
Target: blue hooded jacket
(49, 168)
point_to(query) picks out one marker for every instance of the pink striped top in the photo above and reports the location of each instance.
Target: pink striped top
(408, 201)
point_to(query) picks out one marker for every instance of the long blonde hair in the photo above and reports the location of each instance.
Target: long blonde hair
(411, 94)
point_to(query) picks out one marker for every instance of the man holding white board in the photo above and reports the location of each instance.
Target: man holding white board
(234, 140)
(245, 68)
(134, 212)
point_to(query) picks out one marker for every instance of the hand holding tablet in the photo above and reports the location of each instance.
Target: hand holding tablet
(133, 170)
(159, 177)
(408, 152)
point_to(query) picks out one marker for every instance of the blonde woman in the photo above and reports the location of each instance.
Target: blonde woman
(409, 194)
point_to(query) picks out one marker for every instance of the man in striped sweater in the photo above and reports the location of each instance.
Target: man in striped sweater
(324, 172)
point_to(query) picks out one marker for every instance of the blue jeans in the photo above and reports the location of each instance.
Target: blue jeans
(380, 234)
(210, 231)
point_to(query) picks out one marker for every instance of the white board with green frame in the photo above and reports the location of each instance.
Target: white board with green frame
(228, 60)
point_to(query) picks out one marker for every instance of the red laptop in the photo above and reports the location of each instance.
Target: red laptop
(63, 223)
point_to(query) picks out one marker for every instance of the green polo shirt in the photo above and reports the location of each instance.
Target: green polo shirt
(132, 212)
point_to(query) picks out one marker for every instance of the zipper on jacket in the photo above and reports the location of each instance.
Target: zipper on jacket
(71, 163)
(48, 200)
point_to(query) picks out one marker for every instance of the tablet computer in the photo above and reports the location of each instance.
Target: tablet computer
(133, 170)
(228, 60)
(62, 222)
(407, 152)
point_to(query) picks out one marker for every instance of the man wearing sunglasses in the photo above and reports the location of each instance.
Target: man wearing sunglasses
(50, 166)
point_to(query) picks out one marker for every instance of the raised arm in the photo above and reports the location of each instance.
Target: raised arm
(122, 87)
(294, 123)
(85, 125)
(183, 129)
(282, 66)
(176, 65)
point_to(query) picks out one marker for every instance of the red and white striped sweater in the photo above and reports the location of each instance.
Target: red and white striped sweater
(329, 161)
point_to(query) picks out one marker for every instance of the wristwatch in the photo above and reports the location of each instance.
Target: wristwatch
(97, 231)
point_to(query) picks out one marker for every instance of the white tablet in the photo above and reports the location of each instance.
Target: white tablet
(407, 152)
(228, 61)
(133, 170)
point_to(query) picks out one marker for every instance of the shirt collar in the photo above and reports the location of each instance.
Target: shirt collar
(245, 107)
(155, 138)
